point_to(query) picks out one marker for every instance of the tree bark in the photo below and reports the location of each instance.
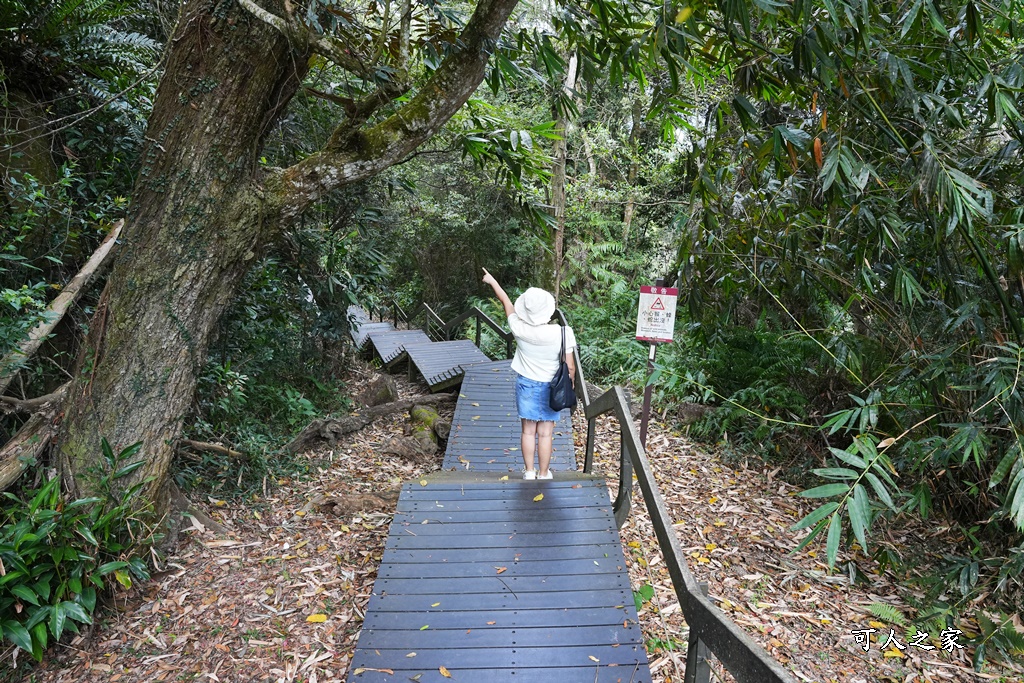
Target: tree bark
(202, 209)
(192, 231)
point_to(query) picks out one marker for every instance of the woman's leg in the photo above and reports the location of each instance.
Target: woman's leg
(527, 441)
(545, 431)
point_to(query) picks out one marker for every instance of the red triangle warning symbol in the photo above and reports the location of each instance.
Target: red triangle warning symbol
(657, 305)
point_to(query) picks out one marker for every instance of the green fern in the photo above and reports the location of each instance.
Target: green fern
(888, 614)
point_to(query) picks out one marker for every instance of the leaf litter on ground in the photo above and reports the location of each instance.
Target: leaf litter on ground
(249, 607)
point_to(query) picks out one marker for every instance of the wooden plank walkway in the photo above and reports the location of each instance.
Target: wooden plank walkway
(390, 344)
(497, 579)
(362, 326)
(485, 429)
(441, 364)
(484, 579)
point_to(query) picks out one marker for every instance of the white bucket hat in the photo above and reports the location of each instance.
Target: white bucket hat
(535, 306)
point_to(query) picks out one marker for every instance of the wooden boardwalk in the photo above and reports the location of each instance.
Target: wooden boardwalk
(440, 364)
(485, 429)
(490, 578)
(390, 344)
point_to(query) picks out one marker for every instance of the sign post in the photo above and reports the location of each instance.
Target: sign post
(655, 323)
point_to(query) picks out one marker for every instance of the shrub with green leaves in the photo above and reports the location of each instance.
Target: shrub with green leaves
(59, 557)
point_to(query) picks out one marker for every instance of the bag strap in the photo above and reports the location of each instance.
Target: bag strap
(562, 355)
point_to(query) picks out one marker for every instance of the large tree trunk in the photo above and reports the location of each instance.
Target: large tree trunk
(202, 209)
(193, 229)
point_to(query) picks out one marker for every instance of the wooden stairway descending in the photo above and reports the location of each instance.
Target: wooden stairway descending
(490, 578)
(440, 364)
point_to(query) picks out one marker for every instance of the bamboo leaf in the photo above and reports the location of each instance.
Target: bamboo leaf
(816, 516)
(835, 527)
(850, 458)
(858, 510)
(825, 491)
(836, 472)
(880, 490)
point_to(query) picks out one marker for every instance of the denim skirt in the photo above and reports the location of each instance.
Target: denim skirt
(532, 400)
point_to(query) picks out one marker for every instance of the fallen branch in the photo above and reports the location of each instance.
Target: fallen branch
(211, 448)
(30, 441)
(28, 405)
(331, 429)
(13, 361)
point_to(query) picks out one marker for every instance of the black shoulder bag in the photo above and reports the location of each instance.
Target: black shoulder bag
(562, 393)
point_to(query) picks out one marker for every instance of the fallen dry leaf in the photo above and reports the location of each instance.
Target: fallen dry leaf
(444, 672)
(213, 598)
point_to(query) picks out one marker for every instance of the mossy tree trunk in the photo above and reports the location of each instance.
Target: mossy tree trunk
(203, 208)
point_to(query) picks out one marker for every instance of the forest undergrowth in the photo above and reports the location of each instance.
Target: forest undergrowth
(281, 596)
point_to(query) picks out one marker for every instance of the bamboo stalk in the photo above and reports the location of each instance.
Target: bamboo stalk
(10, 365)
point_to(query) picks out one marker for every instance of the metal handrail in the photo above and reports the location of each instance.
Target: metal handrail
(710, 629)
(444, 329)
(483, 318)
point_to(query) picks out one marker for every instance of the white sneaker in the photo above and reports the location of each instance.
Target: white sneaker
(530, 474)
(549, 475)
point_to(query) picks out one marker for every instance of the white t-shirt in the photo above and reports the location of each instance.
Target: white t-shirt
(538, 348)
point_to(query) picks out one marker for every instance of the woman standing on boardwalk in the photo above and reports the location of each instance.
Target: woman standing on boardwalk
(538, 346)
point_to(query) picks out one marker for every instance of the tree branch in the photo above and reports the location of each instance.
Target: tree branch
(9, 365)
(305, 37)
(352, 155)
(30, 441)
(28, 405)
(358, 111)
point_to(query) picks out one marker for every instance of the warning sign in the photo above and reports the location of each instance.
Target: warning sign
(656, 316)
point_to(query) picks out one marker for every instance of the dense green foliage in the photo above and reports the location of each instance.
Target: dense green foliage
(835, 188)
(59, 556)
(859, 192)
(76, 80)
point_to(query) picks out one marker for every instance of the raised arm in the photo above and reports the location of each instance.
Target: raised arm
(500, 293)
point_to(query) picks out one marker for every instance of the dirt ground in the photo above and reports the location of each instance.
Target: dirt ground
(281, 597)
